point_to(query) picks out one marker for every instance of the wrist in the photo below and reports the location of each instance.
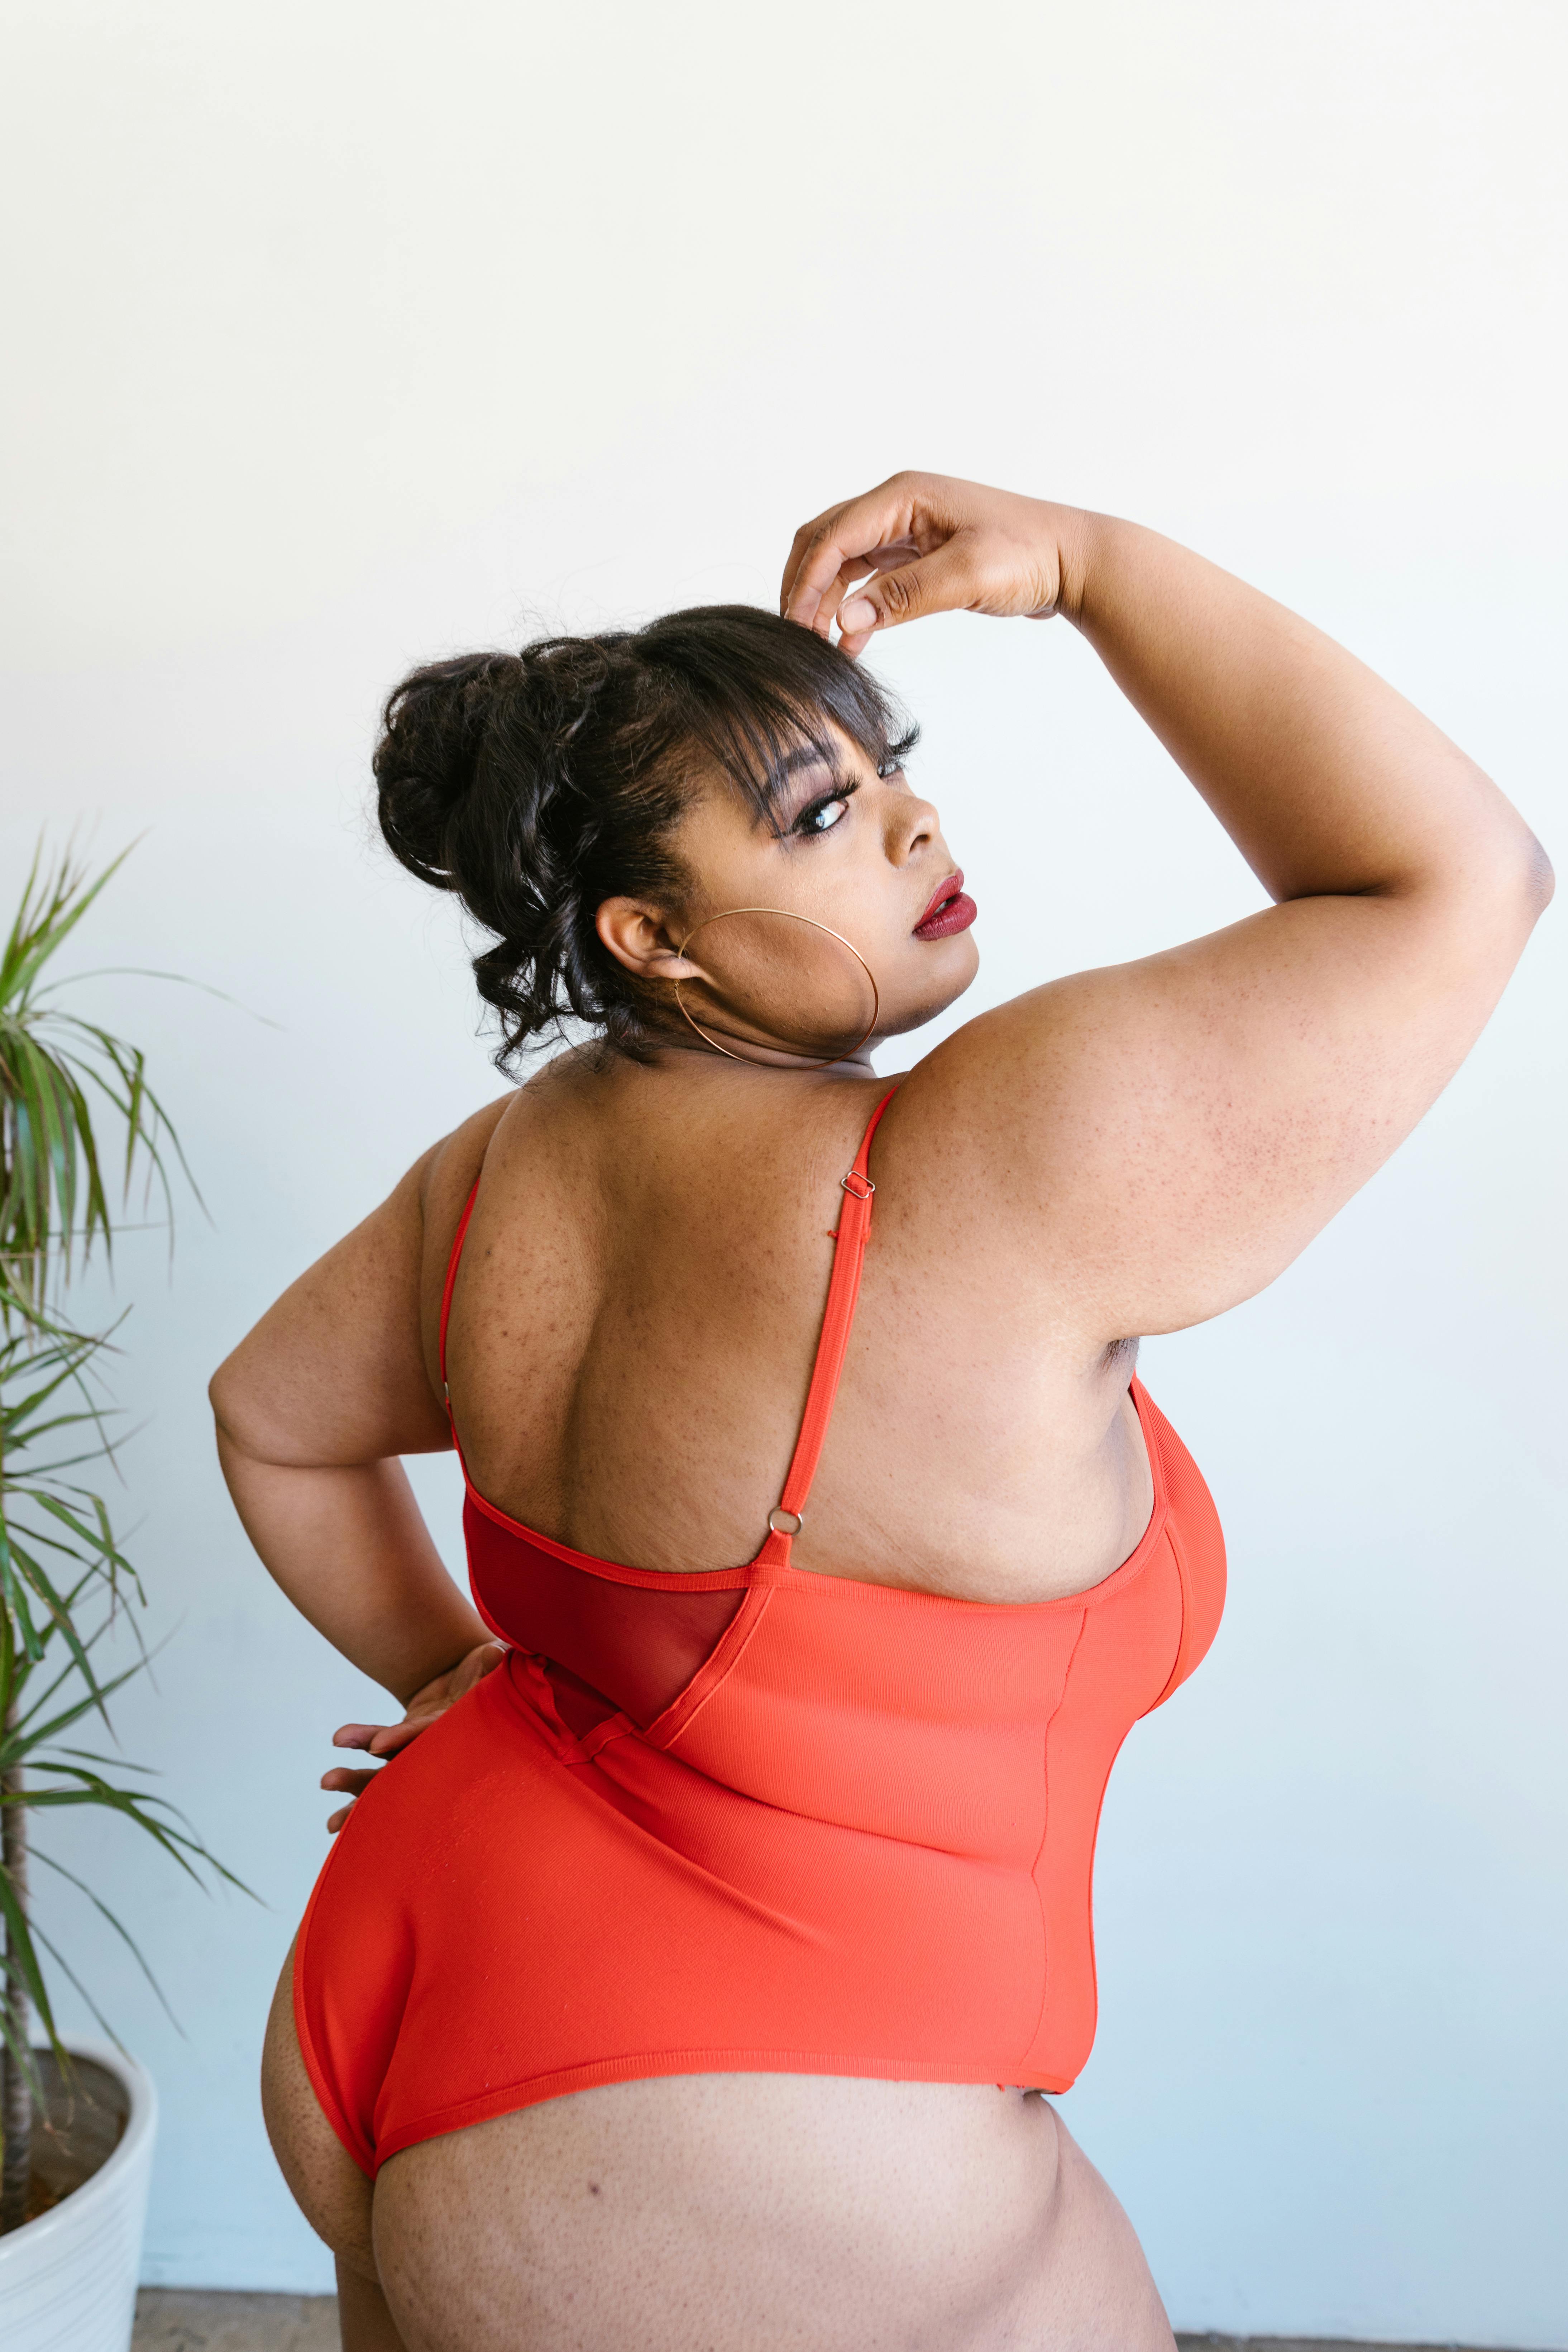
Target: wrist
(1079, 535)
(434, 1669)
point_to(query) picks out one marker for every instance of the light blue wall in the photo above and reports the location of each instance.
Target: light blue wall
(340, 352)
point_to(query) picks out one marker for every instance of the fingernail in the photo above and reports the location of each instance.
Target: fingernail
(858, 615)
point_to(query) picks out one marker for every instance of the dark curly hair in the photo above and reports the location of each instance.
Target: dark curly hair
(539, 783)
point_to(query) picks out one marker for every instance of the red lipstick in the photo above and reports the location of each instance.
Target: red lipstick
(951, 910)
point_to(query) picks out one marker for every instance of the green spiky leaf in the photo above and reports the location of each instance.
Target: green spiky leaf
(66, 1582)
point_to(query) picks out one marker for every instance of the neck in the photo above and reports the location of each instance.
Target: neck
(772, 1057)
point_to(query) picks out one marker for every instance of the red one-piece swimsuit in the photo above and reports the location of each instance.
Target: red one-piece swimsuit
(757, 1819)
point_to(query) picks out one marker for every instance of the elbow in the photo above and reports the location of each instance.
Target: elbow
(1540, 882)
(224, 1394)
(1505, 887)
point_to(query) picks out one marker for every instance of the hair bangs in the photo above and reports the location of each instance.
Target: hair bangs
(754, 692)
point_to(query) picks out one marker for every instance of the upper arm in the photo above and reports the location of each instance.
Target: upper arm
(341, 1369)
(1161, 1138)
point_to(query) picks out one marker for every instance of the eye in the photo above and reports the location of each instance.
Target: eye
(823, 814)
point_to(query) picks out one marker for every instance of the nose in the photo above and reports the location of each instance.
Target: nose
(910, 826)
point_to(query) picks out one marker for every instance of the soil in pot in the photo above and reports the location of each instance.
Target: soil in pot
(77, 2129)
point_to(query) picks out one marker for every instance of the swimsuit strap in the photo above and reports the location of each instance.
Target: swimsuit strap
(457, 1240)
(786, 1517)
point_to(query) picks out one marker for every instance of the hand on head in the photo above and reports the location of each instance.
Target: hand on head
(925, 544)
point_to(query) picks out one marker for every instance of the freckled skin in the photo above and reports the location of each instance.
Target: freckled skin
(1123, 1151)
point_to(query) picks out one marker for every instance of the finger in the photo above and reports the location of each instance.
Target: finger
(335, 1821)
(813, 607)
(338, 1779)
(809, 535)
(820, 584)
(395, 1736)
(843, 535)
(897, 552)
(832, 596)
(356, 1735)
(878, 559)
(793, 563)
(944, 581)
(882, 559)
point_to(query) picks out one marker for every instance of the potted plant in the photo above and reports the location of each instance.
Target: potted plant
(79, 2117)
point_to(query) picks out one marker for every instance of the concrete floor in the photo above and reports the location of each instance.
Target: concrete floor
(183, 2319)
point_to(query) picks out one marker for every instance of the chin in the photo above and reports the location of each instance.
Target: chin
(919, 1007)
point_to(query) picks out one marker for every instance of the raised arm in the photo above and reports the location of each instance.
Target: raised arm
(1174, 1131)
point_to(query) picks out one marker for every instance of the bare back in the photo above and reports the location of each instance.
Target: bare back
(638, 1305)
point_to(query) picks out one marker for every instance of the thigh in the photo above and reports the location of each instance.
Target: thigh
(328, 2185)
(364, 2322)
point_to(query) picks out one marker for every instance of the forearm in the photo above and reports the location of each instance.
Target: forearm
(350, 1549)
(1327, 780)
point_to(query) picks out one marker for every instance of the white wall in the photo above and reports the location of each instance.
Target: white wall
(342, 335)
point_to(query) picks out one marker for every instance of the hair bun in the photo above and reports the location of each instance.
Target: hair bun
(433, 732)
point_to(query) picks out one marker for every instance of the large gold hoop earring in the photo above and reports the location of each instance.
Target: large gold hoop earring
(827, 1060)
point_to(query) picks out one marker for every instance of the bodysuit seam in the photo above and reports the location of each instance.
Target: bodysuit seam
(1034, 2033)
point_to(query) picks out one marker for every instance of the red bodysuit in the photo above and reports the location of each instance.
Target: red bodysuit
(753, 1820)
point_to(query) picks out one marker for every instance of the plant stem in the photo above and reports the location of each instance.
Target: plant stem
(16, 2103)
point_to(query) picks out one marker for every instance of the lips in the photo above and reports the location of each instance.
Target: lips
(951, 910)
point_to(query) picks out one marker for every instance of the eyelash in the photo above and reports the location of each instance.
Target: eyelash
(891, 766)
(804, 823)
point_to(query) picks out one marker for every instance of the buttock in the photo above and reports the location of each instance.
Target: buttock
(781, 2212)
(776, 2212)
(507, 1919)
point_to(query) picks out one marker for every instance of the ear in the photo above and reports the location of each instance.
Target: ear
(638, 936)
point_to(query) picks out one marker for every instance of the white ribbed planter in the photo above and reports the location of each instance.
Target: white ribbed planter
(68, 2281)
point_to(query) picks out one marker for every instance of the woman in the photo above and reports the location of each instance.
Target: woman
(697, 1972)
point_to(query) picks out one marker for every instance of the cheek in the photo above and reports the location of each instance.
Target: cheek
(926, 977)
(724, 861)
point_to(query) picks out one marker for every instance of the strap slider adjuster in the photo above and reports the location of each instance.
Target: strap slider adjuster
(847, 1185)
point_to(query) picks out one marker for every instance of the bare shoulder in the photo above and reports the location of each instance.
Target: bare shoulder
(992, 1100)
(516, 1138)
(1013, 1149)
(449, 1171)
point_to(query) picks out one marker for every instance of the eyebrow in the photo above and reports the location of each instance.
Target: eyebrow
(807, 755)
